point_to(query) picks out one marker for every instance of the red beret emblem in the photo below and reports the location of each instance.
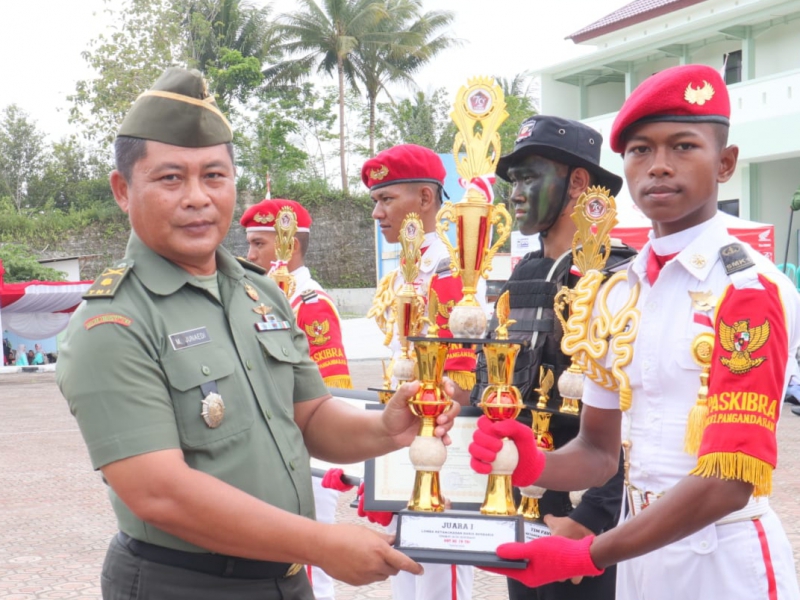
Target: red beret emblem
(699, 95)
(259, 218)
(379, 173)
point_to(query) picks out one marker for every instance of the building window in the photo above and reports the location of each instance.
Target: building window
(729, 206)
(733, 67)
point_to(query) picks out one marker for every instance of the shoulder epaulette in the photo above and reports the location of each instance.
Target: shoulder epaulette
(735, 258)
(443, 269)
(309, 296)
(251, 266)
(109, 281)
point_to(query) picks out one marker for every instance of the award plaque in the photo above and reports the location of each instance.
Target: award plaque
(458, 537)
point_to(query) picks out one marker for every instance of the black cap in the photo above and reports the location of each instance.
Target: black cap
(562, 140)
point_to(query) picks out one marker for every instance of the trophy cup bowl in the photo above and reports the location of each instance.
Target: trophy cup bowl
(427, 452)
(501, 401)
(472, 256)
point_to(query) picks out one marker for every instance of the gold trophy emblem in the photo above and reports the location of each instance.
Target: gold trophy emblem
(501, 400)
(540, 423)
(427, 452)
(478, 113)
(585, 339)
(409, 305)
(285, 229)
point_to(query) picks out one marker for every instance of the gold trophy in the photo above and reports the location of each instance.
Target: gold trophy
(285, 230)
(586, 339)
(501, 400)
(531, 494)
(427, 452)
(409, 305)
(478, 113)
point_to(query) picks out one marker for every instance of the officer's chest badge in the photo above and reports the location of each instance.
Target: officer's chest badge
(213, 410)
(703, 301)
(251, 292)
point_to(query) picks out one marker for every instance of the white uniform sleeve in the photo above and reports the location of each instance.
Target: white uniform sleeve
(597, 397)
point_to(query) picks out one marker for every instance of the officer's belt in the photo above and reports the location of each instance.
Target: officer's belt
(638, 500)
(211, 564)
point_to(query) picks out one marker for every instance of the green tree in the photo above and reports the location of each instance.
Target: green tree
(227, 40)
(323, 38)
(147, 39)
(285, 137)
(22, 154)
(21, 265)
(73, 177)
(400, 45)
(230, 40)
(423, 119)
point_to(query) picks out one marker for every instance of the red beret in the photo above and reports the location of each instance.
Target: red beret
(689, 93)
(261, 216)
(407, 163)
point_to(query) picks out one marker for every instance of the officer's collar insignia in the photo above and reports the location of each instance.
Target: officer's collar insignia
(251, 292)
(109, 281)
(379, 174)
(699, 95)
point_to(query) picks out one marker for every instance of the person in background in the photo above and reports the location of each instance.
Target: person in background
(701, 441)
(318, 318)
(553, 163)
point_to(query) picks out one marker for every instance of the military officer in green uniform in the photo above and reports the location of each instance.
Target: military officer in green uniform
(194, 391)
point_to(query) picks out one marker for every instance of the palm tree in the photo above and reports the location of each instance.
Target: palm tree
(216, 27)
(400, 45)
(324, 38)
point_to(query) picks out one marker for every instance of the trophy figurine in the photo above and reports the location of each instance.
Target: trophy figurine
(478, 113)
(409, 305)
(285, 230)
(500, 401)
(427, 452)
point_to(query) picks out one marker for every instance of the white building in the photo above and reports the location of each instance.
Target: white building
(757, 42)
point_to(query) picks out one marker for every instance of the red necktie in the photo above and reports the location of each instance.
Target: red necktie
(655, 263)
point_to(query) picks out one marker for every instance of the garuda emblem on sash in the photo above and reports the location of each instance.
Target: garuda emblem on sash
(740, 340)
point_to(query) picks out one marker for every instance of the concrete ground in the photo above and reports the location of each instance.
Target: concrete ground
(56, 522)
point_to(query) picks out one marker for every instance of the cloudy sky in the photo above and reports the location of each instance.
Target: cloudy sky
(41, 43)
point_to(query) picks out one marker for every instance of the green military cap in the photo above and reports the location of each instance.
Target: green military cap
(177, 110)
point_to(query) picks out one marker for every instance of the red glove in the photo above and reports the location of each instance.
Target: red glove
(551, 558)
(333, 481)
(374, 516)
(488, 440)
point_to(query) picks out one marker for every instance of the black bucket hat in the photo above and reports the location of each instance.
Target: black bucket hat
(562, 140)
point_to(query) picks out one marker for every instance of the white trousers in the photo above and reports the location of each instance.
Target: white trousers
(719, 561)
(325, 500)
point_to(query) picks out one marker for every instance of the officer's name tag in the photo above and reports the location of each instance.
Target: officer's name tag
(533, 531)
(187, 339)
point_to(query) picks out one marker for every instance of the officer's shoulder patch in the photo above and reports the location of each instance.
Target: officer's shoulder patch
(108, 283)
(106, 319)
(735, 258)
(251, 266)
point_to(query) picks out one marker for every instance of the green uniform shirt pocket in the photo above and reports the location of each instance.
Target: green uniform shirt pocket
(187, 370)
(279, 345)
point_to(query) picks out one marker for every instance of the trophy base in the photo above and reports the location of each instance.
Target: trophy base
(535, 529)
(457, 537)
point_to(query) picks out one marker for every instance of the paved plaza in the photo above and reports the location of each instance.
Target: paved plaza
(55, 519)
